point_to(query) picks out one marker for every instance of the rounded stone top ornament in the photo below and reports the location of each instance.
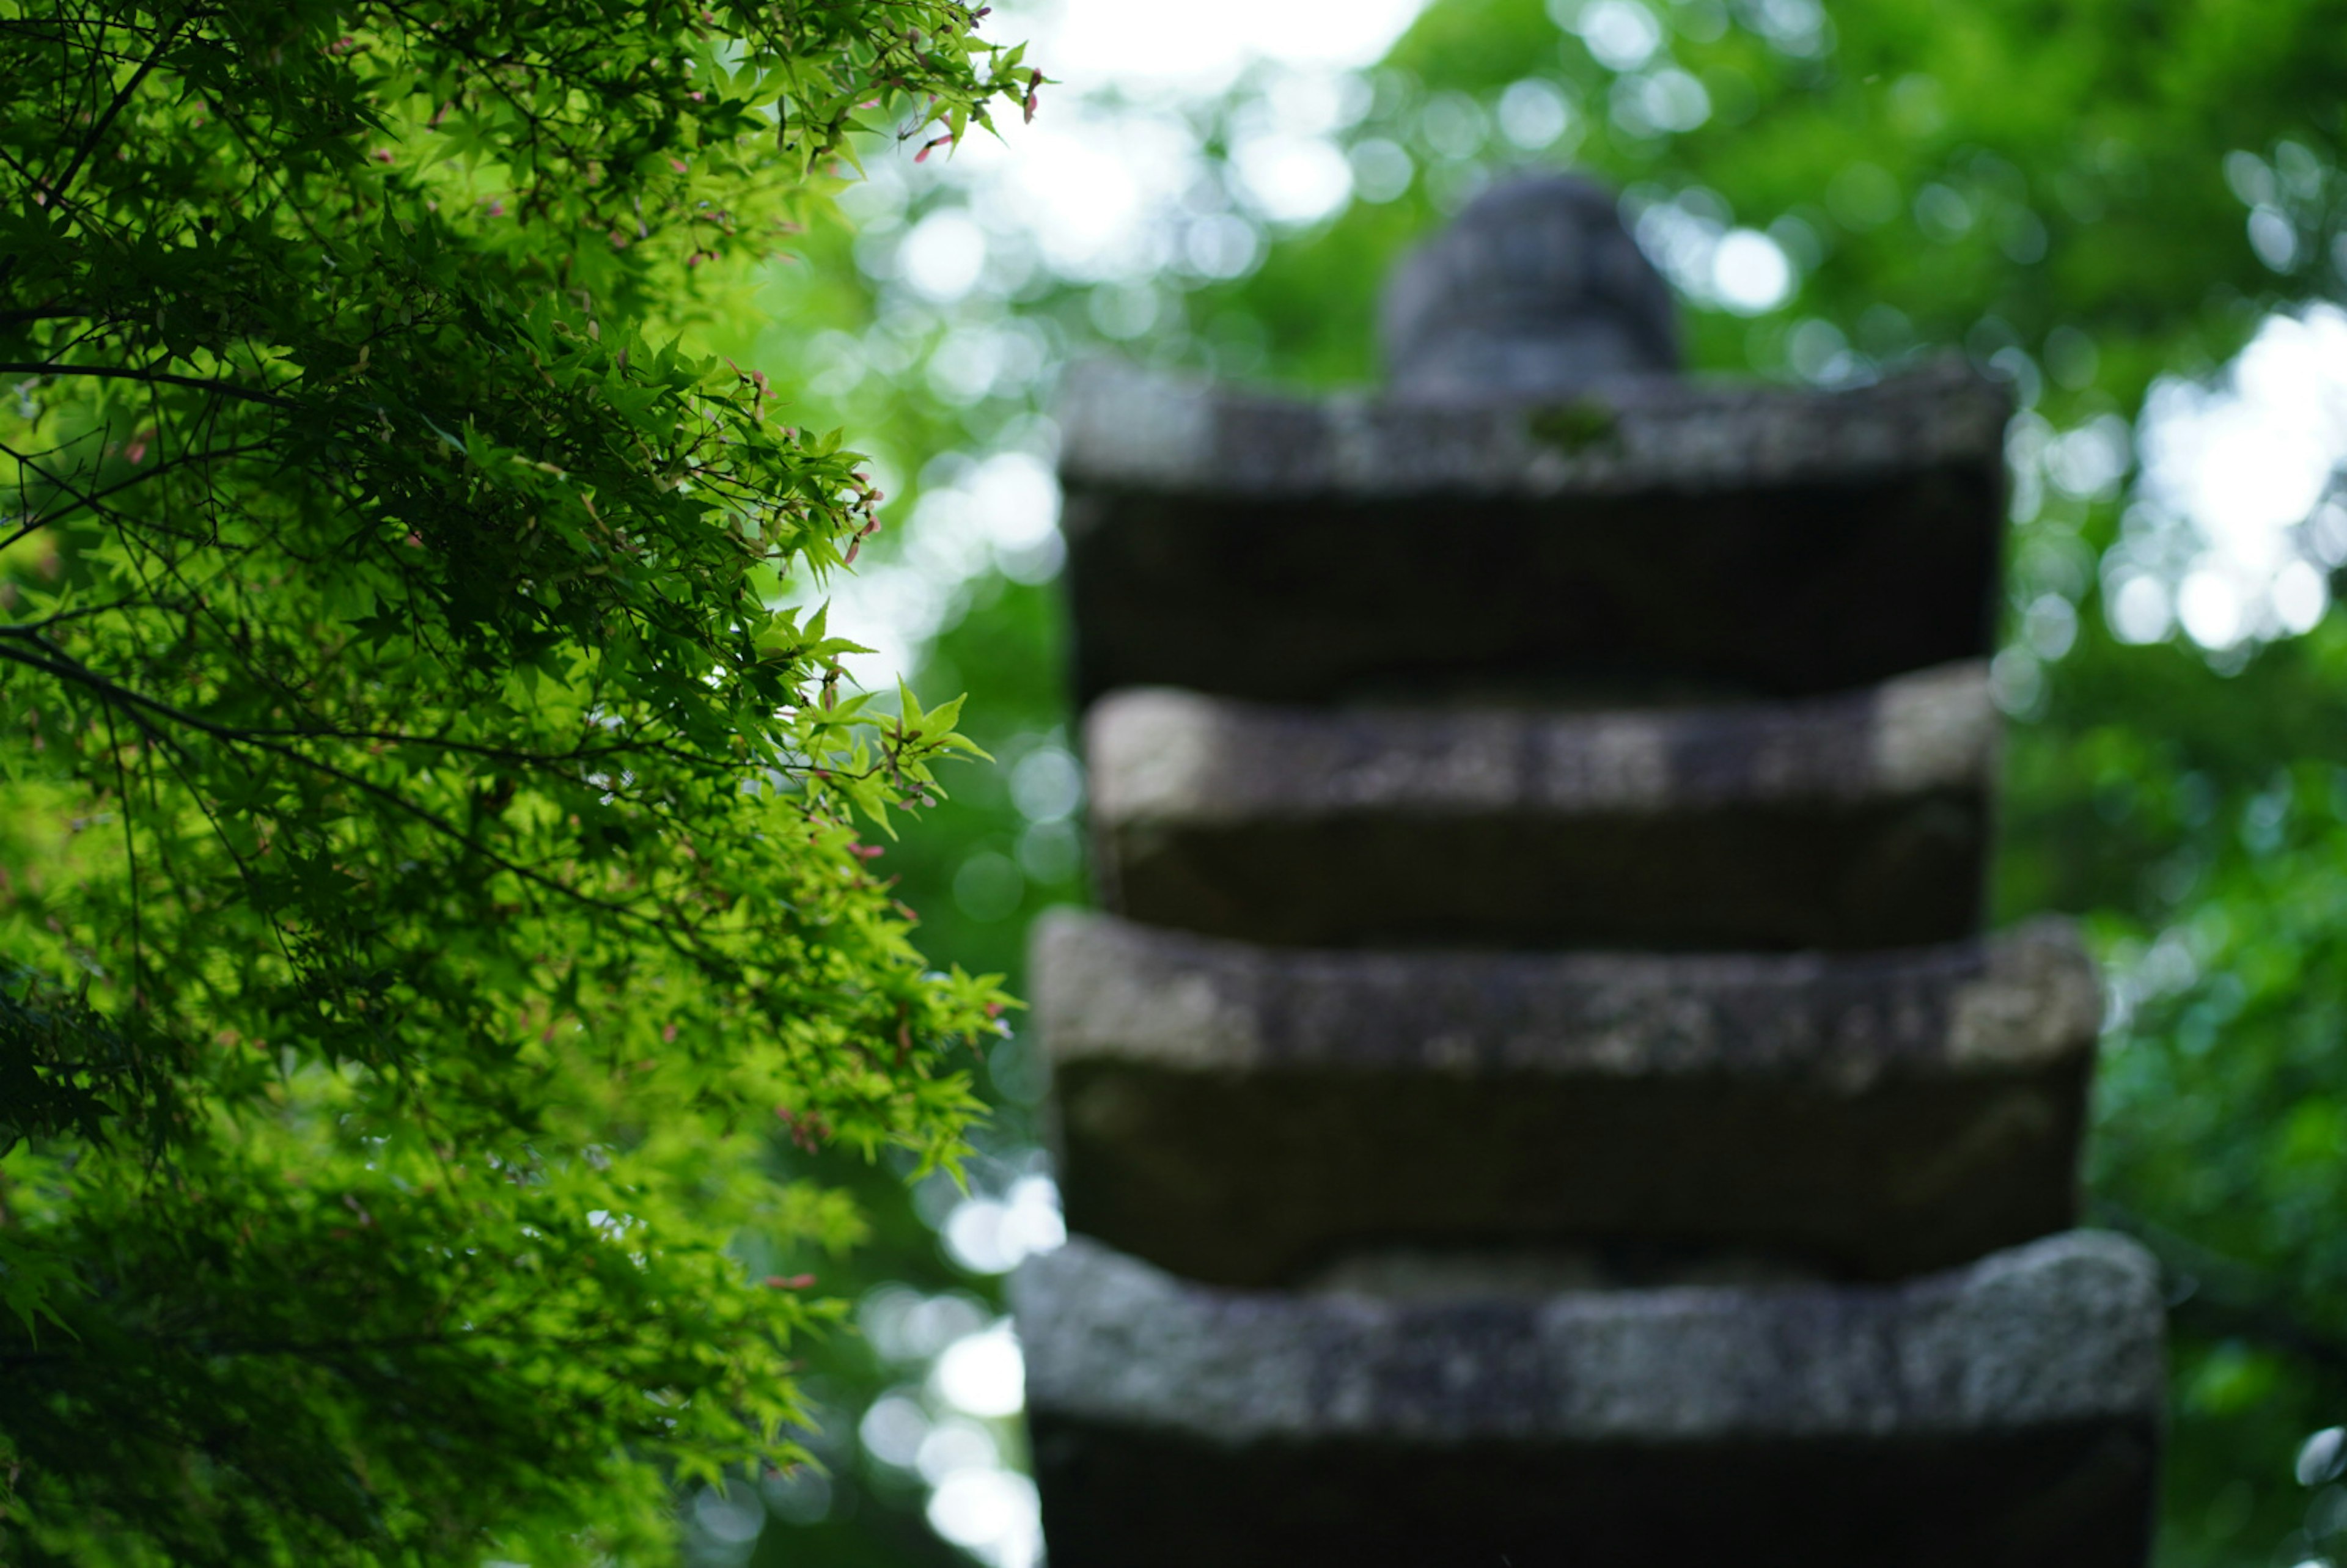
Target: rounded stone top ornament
(1534, 292)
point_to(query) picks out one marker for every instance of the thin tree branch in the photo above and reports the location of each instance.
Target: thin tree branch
(124, 373)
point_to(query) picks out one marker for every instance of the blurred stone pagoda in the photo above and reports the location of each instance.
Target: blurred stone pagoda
(1540, 1093)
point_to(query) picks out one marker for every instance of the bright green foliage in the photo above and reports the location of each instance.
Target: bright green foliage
(430, 864)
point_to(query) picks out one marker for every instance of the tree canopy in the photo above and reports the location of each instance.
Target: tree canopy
(434, 864)
(2097, 199)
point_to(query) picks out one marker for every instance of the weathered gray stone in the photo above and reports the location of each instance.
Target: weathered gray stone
(2003, 1413)
(1108, 989)
(1643, 534)
(1242, 1115)
(1858, 821)
(1535, 291)
(2064, 1328)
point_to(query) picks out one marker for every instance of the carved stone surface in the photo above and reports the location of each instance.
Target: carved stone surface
(2004, 1413)
(1848, 821)
(1641, 534)
(1535, 291)
(1243, 1114)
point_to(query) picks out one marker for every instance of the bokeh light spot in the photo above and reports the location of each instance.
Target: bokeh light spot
(1750, 274)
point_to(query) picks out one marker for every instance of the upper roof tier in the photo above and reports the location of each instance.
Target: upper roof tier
(1537, 502)
(1641, 536)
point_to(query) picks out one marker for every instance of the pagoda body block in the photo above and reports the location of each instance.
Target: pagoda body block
(1848, 822)
(1241, 1114)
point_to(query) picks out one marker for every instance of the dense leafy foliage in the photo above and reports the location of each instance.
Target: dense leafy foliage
(431, 860)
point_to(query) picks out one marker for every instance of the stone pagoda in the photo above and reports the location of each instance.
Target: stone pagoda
(1539, 1093)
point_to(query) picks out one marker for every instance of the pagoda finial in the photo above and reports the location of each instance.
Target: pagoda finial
(1536, 290)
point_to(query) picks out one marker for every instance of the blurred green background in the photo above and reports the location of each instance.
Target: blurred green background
(2131, 210)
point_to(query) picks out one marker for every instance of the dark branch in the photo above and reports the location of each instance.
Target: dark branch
(124, 373)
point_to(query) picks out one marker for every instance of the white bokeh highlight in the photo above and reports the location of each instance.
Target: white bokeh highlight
(1621, 35)
(1750, 274)
(950, 1426)
(992, 1513)
(1293, 180)
(1693, 241)
(943, 256)
(1534, 114)
(1136, 50)
(994, 1236)
(982, 1374)
(2232, 532)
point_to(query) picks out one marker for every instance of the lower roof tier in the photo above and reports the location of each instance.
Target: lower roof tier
(2008, 1412)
